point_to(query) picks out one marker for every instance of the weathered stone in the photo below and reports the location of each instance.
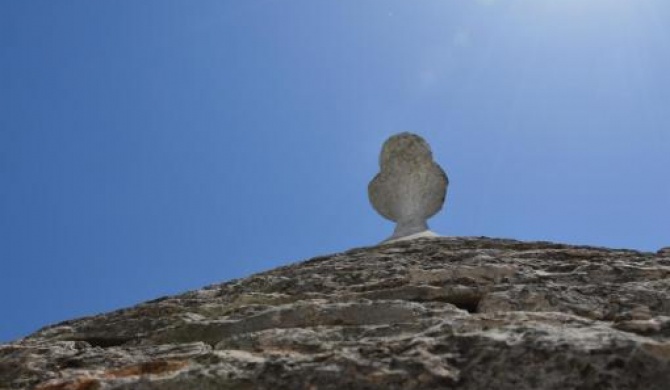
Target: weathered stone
(410, 187)
(438, 313)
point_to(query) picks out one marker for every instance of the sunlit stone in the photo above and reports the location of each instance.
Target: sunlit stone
(410, 187)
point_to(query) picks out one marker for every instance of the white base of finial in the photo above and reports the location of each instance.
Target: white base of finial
(423, 234)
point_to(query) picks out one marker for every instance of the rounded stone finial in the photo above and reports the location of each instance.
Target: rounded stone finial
(410, 187)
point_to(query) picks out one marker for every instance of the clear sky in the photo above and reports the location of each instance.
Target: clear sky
(152, 147)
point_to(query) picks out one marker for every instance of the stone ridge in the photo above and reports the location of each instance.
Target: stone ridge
(434, 313)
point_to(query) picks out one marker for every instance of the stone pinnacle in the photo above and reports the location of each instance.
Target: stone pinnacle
(410, 187)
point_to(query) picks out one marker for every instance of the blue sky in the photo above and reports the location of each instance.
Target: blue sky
(148, 148)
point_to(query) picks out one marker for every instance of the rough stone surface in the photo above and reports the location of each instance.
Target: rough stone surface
(410, 187)
(432, 313)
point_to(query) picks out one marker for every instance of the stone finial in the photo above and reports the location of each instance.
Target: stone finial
(410, 187)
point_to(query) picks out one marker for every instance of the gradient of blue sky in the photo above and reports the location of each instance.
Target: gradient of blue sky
(151, 147)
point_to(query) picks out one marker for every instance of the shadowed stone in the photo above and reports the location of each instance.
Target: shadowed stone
(443, 313)
(410, 187)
